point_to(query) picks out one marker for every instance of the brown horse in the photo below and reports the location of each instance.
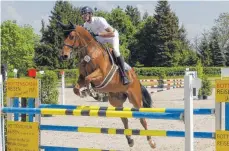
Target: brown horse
(98, 67)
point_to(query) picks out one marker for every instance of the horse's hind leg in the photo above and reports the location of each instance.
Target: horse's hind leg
(117, 100)
(135, 98)
(128, 137)
(150, 141)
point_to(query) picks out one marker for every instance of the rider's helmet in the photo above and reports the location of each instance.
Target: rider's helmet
(86, 9)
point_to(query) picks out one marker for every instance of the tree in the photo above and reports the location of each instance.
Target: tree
(205, 53)
(120, 21)
(183, 37)
(222, 27)
(134, 14)
(166, 33)
(142, 48)
(53, 36)
(227, 56)
(145, 15)
(189, 58)
(216, 53)
(102, 14)
(17, 46)
(44, 53)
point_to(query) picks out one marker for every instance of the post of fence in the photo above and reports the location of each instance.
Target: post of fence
(62, 88)
(188, 104)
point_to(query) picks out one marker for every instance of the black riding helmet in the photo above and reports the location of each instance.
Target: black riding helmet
(86, 9)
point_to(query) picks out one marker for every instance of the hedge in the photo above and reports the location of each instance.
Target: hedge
(71, 75)
(175, 71)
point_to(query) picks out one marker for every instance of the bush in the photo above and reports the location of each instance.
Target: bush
(212, 71)
(199, 69)
(49, 90)
(177, 71)
(162, 71)
(206, 88)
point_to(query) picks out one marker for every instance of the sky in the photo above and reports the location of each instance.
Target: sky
(196, 16)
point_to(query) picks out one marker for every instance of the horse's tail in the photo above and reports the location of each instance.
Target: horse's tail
(146, 98)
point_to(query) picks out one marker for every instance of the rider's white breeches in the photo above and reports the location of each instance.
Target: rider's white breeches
(114, 41)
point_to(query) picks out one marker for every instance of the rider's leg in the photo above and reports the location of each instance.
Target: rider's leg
(120, 59)
(114, 41)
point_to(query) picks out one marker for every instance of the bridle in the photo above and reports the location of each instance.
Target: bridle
(84, 56)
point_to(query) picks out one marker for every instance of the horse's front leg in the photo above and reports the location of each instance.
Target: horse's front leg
(80, 84)
(94, 76)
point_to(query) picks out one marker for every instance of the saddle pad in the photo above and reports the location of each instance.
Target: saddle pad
(127, 67)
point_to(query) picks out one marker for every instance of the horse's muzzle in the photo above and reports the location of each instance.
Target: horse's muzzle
(64, 57)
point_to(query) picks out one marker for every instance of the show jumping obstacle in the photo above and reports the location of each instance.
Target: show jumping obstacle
(153, 113)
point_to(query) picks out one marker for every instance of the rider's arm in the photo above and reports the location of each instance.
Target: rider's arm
(109, 30)
(109, 33)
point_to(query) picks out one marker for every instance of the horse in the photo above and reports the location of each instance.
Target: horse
(98, 68)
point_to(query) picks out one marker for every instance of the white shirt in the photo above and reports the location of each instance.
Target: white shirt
(97, 25)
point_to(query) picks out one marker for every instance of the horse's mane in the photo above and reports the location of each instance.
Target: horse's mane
(68, 31)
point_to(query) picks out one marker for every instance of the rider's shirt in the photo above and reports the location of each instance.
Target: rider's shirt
(97, 25)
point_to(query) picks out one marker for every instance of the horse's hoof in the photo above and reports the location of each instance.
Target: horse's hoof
(152, 144)
(131, 142)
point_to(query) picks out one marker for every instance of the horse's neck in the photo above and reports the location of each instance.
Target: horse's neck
(101, 57)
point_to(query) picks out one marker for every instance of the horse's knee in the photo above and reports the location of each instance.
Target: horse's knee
(76, 91)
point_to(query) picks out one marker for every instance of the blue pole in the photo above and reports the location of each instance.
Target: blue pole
(31, 103)
(16, 104)
(227, 116)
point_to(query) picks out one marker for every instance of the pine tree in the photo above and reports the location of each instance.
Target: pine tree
(183, 37)
(143, 49)
(53, 35)
(227, 56)
(134, 14)
(205, 53)
(166, 33)
(145, 15)
(217, 55)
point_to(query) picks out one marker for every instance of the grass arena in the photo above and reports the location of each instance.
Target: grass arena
(69, 131)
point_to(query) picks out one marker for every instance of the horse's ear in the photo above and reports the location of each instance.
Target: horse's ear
(72, 26)
(64, 26)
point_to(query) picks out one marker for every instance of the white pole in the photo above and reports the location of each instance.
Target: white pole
(218, 105)
(2, 134)
(188, 98)
(62, 89)
(15, 73)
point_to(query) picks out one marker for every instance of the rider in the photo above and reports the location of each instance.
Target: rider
(104, 33)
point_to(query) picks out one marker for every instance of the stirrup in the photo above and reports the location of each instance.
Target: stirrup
(125, 80)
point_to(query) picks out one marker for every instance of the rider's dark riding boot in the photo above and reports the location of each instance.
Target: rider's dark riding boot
(120, 61)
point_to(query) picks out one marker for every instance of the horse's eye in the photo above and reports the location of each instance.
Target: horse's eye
(71, 37)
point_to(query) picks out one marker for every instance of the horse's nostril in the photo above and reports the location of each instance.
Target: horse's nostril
(65, 56)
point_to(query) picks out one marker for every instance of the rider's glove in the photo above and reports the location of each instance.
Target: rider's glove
(93, 34)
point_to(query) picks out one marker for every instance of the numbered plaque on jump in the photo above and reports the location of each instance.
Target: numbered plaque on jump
(22, 88)
(222, 90)
(222, 140)
(22, 136)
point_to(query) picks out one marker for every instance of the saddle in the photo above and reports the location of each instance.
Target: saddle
(112, 57)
